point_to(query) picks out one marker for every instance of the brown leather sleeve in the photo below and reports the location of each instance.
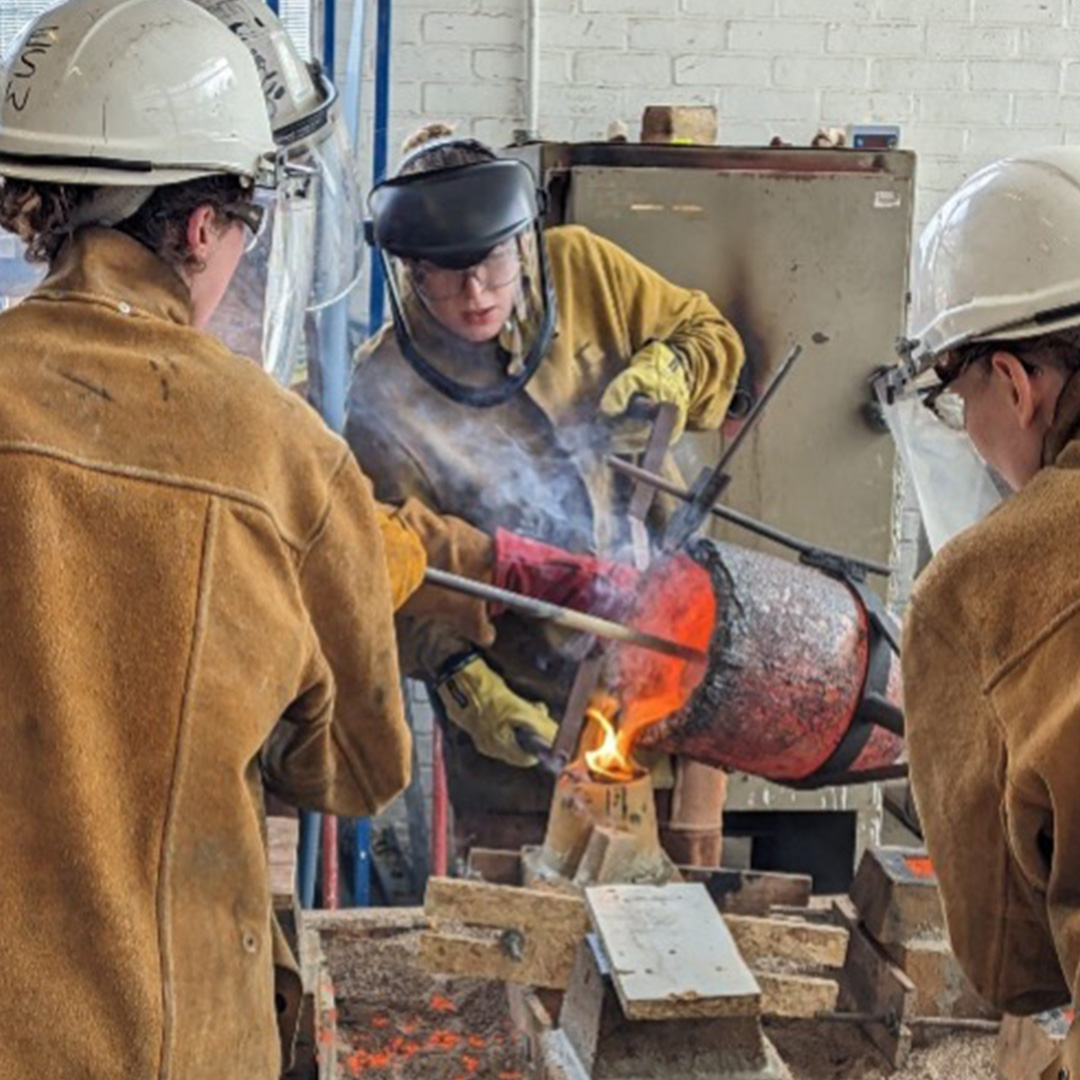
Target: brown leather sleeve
(344, 746)
(961, 775)
(453, 545)
(655, 308)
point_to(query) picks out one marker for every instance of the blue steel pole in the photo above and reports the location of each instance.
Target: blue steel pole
(333, 365)
(351, 107)
(384, 13)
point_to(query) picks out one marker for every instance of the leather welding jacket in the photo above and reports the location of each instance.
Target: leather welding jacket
(534, 464)
(195, 604)
(991, 666)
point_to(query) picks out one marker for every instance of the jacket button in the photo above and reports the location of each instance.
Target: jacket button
(124, 307)
(251, 943)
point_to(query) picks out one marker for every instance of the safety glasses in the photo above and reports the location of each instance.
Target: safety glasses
(501, 267)
(250, 214)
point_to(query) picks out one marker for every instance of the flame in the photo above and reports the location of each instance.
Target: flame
(611, 759)
(677, 602)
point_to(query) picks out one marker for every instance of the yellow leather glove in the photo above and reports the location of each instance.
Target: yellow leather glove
(657, 373)
(478, 701)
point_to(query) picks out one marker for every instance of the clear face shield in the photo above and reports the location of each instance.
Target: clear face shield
(465, 265)
(477, 328)
(307, 255)
(954, 487)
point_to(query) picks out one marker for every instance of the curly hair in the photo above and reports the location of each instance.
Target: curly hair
(38, 214)
(420, 159)
(41, 214)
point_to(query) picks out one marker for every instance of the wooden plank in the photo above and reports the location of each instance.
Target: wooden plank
(609, 856)
(751, 892)
(796, 996)
(1028, 1045)
(368, 922)
(541, 931)
(872, 983)
(496, 866)
(942, 988)
(282, 838)
(478, 903)
(671, 955)
(805, 943)
(896, 894)
(487, 957)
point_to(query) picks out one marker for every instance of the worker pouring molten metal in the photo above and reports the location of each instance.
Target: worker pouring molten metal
(508, 374)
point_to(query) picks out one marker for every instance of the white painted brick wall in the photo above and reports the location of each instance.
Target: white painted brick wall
(968, 80)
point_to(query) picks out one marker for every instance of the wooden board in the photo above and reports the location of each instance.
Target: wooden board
(942, 989)
(486, 957)
(872, 983)
(799, 997)
(282, 839)
(807, 944)
(1028, 1045)
(495, 865)
(750, 892)
(671, 955)
(540, 932)
(896, 894)
(479, 903)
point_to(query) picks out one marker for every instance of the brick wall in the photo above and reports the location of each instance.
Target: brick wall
(968, 80)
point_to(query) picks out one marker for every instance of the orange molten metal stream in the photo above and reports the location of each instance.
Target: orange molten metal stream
(677, 602)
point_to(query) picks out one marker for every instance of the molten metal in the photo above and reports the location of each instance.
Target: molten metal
(789, 656)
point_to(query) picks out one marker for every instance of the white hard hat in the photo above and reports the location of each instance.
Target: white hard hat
(132, 93)
(298, 96)
(1001, 259)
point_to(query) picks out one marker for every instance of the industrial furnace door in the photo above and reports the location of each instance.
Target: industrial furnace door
(790, 253)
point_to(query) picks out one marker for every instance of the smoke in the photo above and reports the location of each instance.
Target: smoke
(503, 467)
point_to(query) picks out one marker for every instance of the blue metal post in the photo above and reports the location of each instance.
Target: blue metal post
(361, 885)
(308, 870)
(384, 9)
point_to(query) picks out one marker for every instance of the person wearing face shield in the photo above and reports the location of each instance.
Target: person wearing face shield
(517, 360)
(197, 608)
(992, 637)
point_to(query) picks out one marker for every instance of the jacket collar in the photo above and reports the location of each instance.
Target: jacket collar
(109, 265)
(1066, 426)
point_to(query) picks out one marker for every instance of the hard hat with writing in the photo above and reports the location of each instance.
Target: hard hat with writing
(132, 93)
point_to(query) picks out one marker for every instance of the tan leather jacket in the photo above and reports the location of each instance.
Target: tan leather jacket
(992, 698)
(195, 603)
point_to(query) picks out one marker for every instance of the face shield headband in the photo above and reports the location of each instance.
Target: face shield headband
(455, 219)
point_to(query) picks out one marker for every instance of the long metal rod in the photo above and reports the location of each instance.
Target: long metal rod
(560, 616)
(661, 483)
(759, 407)
(712, 483)
(955, 1023)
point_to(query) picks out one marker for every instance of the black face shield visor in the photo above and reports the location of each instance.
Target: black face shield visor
(454, 218)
